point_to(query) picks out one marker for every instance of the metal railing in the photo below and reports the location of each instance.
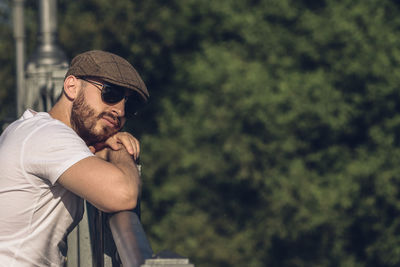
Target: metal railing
(116, 240)
(130, 238)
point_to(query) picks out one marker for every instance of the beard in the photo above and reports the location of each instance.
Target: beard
(84, 121)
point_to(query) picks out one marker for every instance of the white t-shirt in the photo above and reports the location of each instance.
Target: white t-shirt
(37, 213)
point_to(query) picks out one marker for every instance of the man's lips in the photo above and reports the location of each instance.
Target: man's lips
(113, 122)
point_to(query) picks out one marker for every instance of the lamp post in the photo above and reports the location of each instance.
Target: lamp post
(46, 69)
(19, 37)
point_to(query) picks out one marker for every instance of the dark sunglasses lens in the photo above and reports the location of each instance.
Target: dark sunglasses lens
(112, 94)
(134, 104)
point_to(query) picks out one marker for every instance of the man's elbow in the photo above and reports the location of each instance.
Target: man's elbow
(127, 201)
(124, 200)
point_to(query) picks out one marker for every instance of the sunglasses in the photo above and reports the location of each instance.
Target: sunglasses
(112, 94)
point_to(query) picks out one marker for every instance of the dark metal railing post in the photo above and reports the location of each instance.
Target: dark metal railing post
(98, 242)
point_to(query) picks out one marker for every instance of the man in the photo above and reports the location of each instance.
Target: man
(51, 161)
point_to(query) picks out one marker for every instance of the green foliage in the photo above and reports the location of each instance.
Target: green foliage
(271, 134)
(278, 140)
(6, 61)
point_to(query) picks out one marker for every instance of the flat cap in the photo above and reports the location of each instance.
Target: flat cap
(110, 68)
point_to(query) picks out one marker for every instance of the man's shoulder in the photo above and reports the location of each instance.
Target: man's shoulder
(39, 129)
(42, 123)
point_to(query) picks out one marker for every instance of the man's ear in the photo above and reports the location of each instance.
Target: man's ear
(71, 87)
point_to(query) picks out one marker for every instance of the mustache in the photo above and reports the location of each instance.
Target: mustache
(117, 119)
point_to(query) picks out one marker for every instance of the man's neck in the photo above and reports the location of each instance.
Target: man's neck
(62, 112)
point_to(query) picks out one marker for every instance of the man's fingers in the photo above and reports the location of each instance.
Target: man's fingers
(113, 143)
(128, 143)
(123, 139)
(136, 147)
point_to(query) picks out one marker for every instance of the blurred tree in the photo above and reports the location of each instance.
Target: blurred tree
(7, 64)
(277, 150)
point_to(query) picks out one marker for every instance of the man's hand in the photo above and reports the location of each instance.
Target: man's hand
(116, 142)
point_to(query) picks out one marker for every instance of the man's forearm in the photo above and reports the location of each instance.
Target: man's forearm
(124, 161)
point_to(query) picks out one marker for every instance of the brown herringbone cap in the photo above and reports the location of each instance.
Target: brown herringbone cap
(110, 68)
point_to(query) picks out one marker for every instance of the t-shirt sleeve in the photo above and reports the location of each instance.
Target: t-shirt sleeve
(51, 149)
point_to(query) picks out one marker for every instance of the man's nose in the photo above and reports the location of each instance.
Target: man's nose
(119, 108)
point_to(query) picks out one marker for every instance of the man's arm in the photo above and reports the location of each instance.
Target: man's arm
(110, 181)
